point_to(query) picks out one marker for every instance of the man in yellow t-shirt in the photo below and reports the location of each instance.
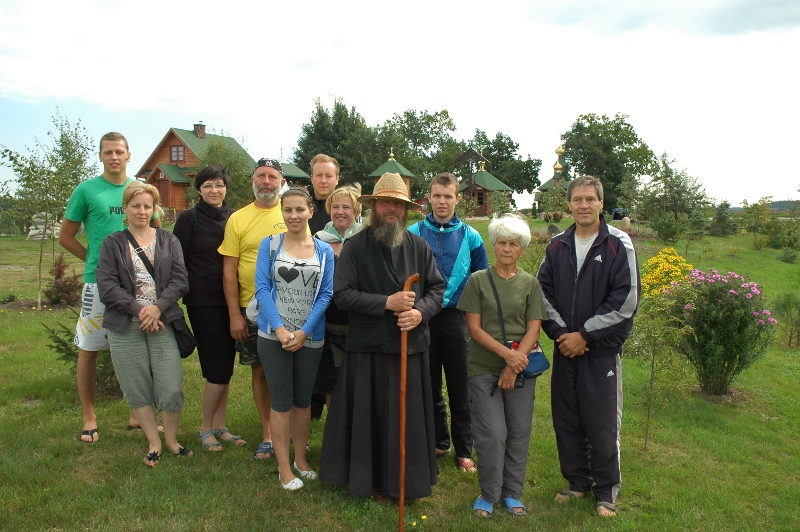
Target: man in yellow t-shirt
(245, 230)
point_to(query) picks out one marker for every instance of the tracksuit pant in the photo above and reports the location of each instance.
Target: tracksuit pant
(586, 399)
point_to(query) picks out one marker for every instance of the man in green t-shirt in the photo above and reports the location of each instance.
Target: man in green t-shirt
(97, 204)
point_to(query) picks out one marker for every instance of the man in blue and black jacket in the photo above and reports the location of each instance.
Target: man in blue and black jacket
(459, 251)
(591, 288)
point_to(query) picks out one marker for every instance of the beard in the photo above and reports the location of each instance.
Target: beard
(264, 197)
(389, 234)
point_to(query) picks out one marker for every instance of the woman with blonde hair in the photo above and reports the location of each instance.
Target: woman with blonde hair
(140, 277)
(345, 209)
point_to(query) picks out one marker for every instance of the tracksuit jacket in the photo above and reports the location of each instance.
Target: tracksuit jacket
(458, 250)
(600, 300)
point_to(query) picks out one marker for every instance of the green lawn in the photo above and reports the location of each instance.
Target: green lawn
(721, 464)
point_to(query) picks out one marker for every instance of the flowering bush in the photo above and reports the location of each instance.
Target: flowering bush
(731, 326)
(662, 270)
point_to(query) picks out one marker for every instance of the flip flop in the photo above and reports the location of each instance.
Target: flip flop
(514, 504)
(91, 434)
(566, 495)
(265, 447)
(482, 505)
(151, 460)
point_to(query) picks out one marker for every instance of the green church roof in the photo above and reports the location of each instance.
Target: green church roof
(391, 166)
(486, 181)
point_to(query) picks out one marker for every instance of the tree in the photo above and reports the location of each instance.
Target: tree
(723, 223)
(423, 143)
(343, 134)
(505, 163)
(237, 164)
(48, 173)
(610, 149)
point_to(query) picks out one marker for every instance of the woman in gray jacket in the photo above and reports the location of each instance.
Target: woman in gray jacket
(141, 301)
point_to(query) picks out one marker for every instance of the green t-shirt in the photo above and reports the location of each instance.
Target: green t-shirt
(97, 203)
(521, 299)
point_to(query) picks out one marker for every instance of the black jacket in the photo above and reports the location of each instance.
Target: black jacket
(367, 273)
(600, 300)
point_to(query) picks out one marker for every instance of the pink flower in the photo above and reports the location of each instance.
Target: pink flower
(756, 313)
(688, 306)
(733, 292)
(761, 322)
(773, 320)
(756, 292)
(748, 296)
(746, 285)
(686, 315)
(766, 313)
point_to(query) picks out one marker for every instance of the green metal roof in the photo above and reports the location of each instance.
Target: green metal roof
(176, 174)
(487, 181)
(198, 145)
(392, 166)
(291, 171)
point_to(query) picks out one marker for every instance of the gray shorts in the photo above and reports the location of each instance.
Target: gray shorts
(248, 353)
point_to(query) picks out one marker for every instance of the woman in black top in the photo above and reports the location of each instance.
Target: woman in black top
(201, 231)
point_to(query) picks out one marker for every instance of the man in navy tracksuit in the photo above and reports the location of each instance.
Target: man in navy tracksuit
(590, 283)
(459, 251)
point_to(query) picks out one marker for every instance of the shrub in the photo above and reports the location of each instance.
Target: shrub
(669, 226)
(63, 288)
(62, 342)
(415, 215)
(731, 326)
(787, 309)
(659, 272)
(789, 256)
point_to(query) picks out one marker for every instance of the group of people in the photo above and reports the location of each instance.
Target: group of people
(316, 305)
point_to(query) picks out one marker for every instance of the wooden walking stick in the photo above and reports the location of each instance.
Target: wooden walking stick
(412, 279)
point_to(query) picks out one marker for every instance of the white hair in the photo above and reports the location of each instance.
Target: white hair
(510, 226)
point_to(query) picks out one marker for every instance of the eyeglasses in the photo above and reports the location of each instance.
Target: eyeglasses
(209, 186)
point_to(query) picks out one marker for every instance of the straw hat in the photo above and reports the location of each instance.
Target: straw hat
(389, 186)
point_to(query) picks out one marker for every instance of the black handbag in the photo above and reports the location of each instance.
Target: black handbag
(537, 362)
(183, 334)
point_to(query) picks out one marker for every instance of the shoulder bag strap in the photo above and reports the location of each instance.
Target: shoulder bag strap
(497, 299)
(140, 251)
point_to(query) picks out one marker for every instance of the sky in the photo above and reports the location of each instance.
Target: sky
(712, 83)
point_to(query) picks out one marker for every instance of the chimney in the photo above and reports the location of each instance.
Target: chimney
(200, 130)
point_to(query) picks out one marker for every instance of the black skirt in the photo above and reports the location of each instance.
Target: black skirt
(361, 445)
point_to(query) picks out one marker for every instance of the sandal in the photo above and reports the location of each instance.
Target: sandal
(566, 495)
(482, 508)
(607, 506)
(265, 447)
(91, 434)
(151, 460)
(225, 435)
(514, 506)
(442, 452)
(213, 446)
(183, 451)
(466, 465)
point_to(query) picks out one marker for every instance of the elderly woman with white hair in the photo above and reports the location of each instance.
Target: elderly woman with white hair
(501, 400)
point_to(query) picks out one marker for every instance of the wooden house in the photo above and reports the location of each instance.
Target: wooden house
(172, 165)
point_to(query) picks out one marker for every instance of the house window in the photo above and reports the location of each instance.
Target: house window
(480, 197)
(176, 154)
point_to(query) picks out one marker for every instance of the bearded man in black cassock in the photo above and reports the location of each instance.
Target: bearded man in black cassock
(360, 448)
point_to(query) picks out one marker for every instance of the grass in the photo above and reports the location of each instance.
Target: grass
(712, 464)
